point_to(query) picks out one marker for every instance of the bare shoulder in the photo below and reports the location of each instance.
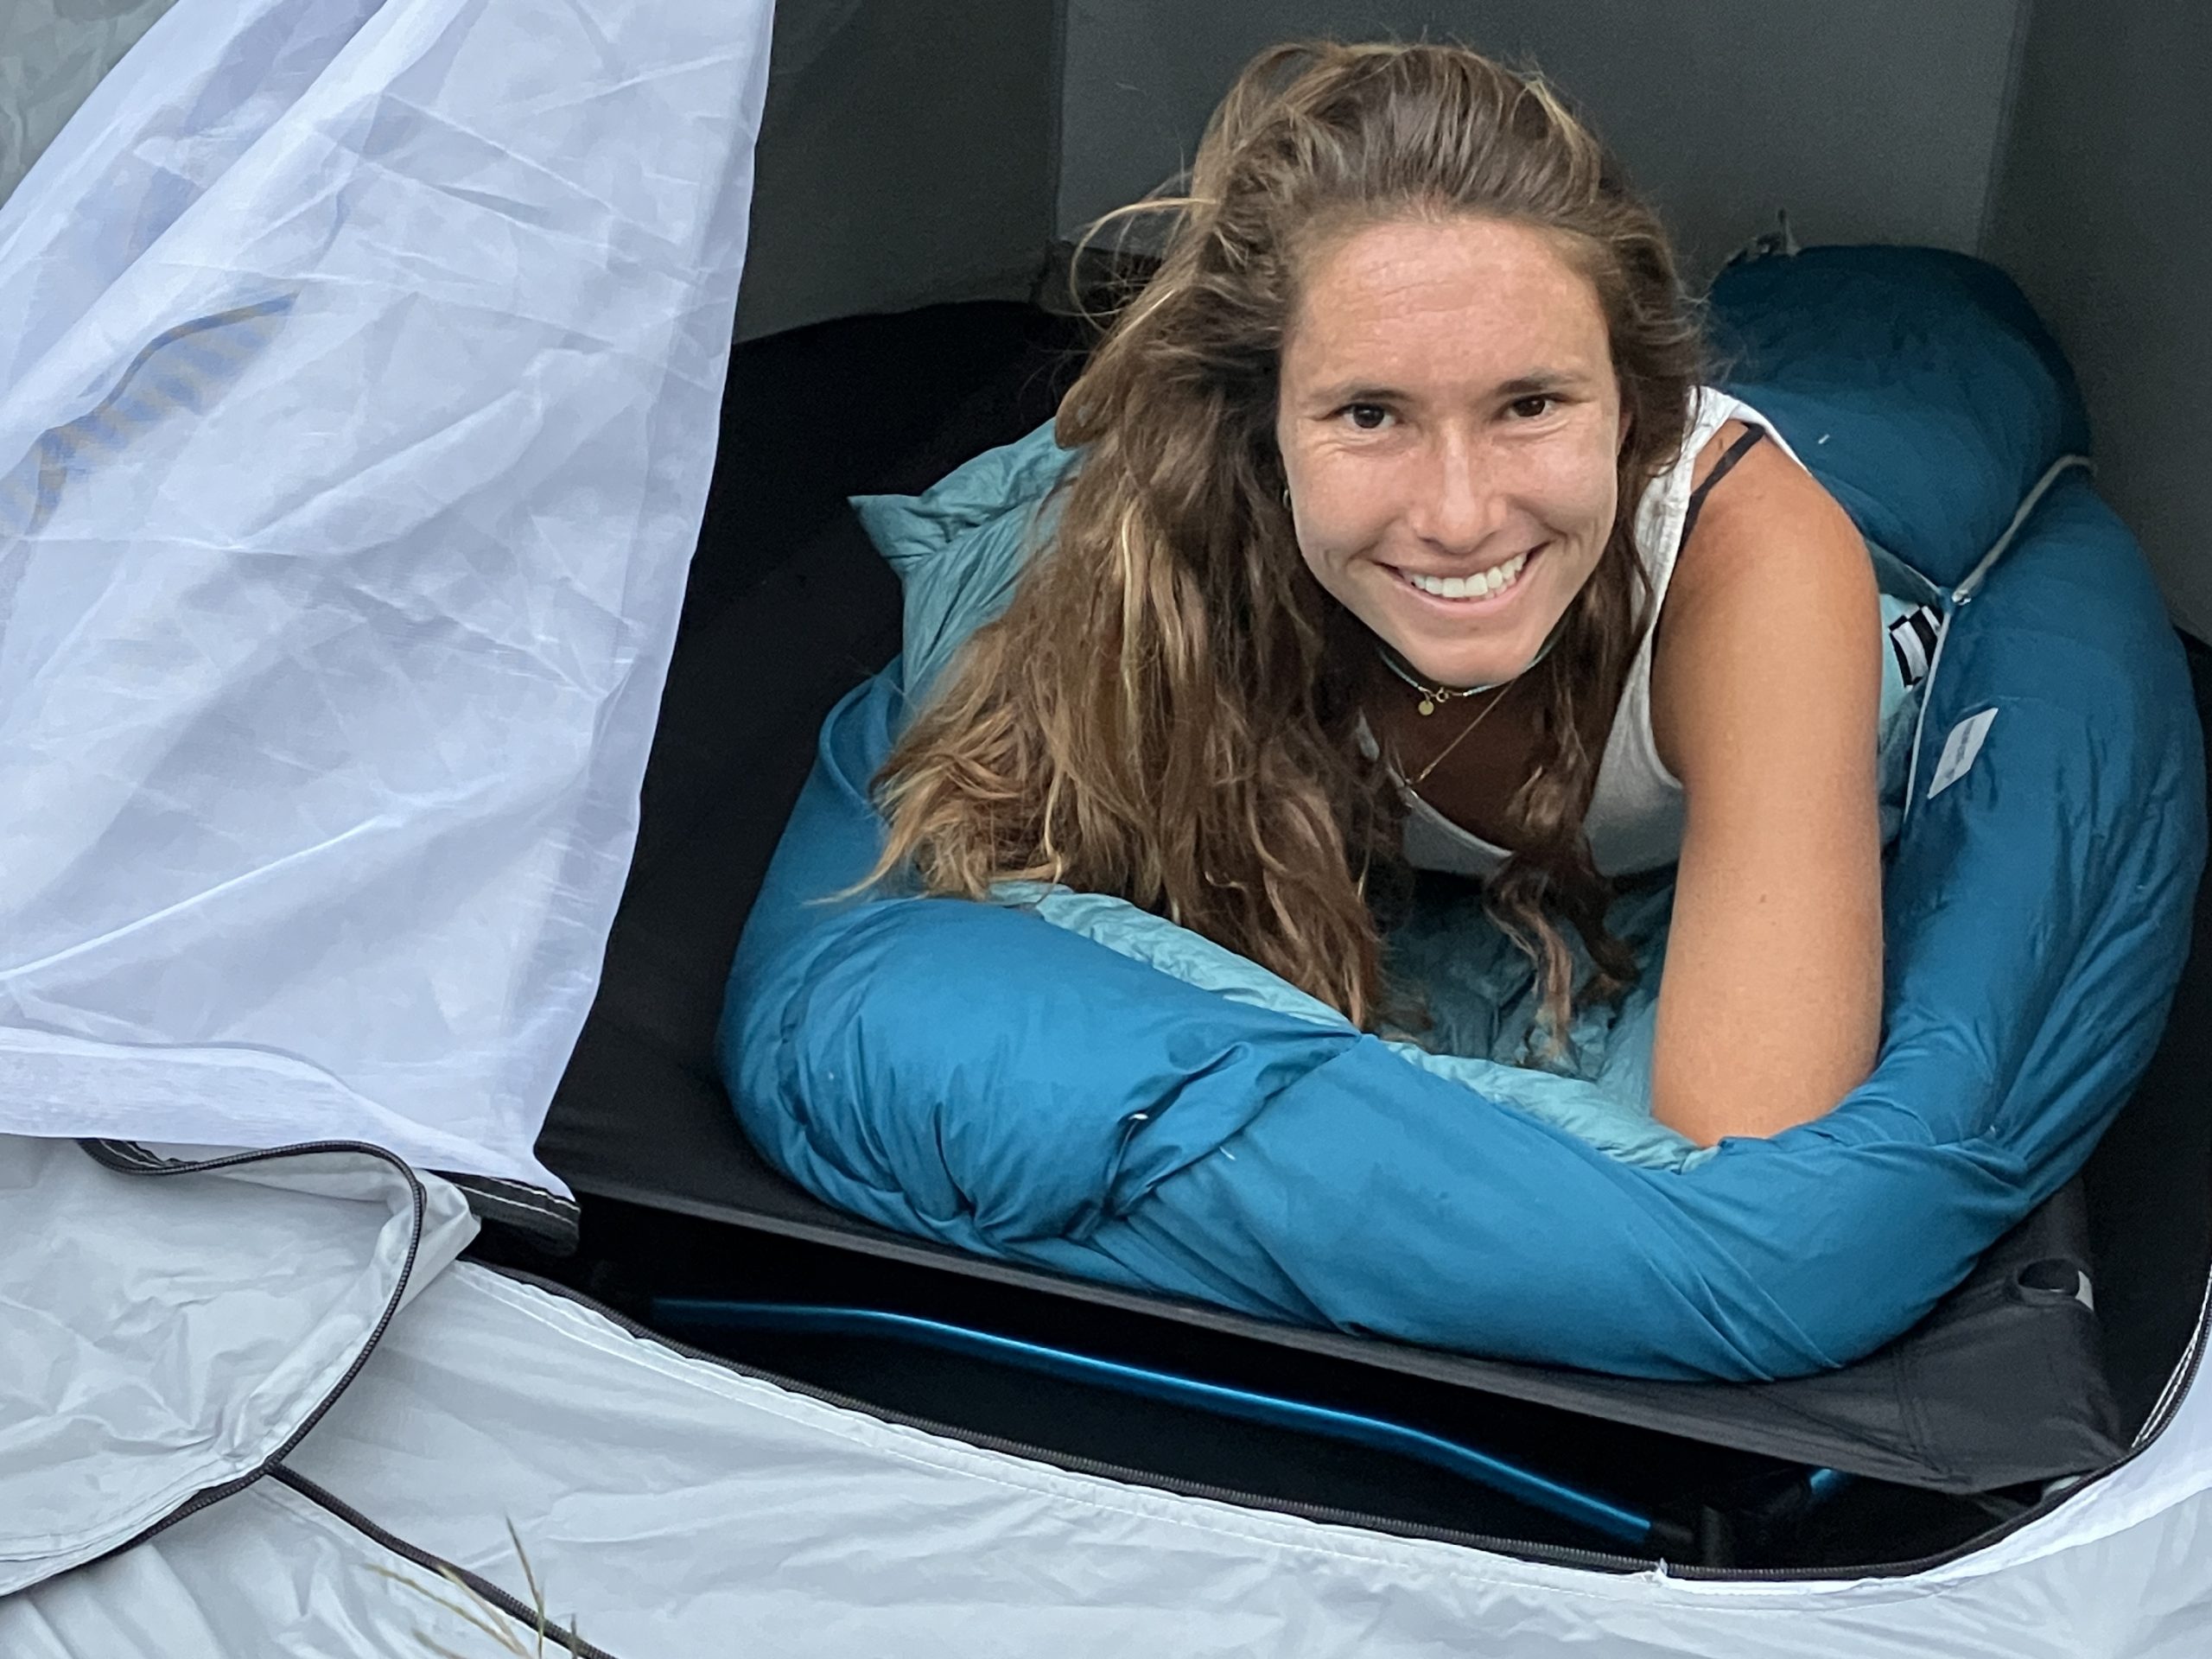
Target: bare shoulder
(1773, 596)
(1768, 518)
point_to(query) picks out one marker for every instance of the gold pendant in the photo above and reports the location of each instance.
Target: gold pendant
(1428, 707)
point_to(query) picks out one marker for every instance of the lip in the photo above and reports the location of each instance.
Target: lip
(1488, 604)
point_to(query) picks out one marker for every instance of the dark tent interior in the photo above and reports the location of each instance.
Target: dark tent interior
(2052, 1362)
(2013, 1385)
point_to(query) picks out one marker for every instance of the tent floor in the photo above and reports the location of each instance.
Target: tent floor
(789, 607)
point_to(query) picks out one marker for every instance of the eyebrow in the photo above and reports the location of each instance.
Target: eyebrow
(1521, 386)
(1544, 380)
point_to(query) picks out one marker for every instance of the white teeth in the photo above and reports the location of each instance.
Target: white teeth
(1495, 580)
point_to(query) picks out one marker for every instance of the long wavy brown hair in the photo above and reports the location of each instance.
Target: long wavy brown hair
(1167, 710)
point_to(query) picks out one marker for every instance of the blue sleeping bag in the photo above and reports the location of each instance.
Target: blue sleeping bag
(1060, 1080)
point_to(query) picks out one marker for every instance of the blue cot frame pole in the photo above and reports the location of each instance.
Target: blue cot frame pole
(1598, 1515)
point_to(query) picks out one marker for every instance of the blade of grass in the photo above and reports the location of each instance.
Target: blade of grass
(530, 1578)
(504, 1638)
(494, 1623)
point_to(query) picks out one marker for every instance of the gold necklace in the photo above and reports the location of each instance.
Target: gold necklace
(1434, 695)
(1503, 691)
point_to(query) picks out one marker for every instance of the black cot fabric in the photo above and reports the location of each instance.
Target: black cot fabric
(2003, 1384)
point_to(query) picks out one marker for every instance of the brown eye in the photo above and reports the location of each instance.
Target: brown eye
(1532, 407)
(1368, 418)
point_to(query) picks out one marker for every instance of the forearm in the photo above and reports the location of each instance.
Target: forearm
(1771, 1056)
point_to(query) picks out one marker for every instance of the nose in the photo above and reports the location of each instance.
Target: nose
(1457, 500)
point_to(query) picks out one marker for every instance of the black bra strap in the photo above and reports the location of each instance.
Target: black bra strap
(1735, 452)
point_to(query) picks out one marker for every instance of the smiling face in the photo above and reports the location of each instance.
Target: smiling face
(1450, 425)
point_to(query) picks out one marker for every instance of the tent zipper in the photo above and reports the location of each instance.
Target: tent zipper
(2183, 1380)
(1963, 595)
(513, 1606)
(127, 1159)
(1550, 1555)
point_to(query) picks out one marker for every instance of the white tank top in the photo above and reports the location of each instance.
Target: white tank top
(1635, 820)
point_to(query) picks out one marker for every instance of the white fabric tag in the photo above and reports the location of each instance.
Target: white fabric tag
(1960, 750)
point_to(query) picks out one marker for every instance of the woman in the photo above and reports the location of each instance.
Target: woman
(1404, 534)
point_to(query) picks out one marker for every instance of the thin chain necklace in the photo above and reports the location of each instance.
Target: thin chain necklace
(1435, 697)
(1503, 691)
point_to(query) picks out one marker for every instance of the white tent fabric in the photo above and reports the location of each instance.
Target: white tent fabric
(269, 1574)
(676, 1507)
(731, 1505)
(351, 457)
(164, 1334)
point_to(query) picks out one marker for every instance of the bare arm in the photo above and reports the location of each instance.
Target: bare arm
(1765, 690)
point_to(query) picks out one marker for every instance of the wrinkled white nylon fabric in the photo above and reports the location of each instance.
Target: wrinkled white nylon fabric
(265, 1574)
(671, 1502)
(668, 1503)
(161, 1334)
(359, 372)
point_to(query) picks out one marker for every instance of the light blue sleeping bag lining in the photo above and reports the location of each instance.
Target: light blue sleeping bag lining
(1063, 1079)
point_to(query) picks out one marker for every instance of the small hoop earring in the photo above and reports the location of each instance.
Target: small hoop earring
(1285, 495)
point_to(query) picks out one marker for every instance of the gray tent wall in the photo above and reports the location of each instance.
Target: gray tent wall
(1879, 120)
(2104, 215)
(931, 151)
(904, 157)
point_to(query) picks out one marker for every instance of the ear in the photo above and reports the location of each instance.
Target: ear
(1627, 424)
